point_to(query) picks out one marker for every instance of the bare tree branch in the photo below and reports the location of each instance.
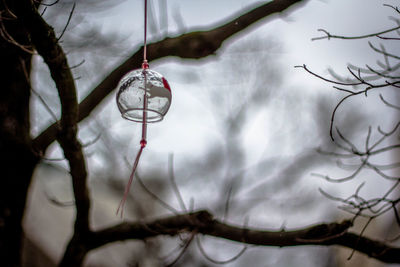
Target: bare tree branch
(350, 92)
(203, 222)
(46, 43)
(328, 35)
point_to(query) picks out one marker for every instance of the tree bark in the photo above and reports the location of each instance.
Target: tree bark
(202, 222)
(17, 158)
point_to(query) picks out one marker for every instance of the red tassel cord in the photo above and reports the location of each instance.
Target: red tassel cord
(143, 141)
(128, 185)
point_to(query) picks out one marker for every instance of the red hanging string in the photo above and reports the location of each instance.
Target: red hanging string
(143, 141)
(128, 185)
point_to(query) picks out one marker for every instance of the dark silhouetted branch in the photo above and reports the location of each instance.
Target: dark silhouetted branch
(203, 222)
(45, 42)
(328, 35)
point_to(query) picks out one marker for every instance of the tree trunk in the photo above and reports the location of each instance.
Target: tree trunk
(16, 155)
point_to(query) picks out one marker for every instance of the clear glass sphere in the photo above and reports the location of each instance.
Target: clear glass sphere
(130, 97)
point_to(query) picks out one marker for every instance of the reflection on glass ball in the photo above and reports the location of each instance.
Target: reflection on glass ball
(130, 96)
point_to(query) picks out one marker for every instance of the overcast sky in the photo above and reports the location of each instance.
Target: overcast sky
(292, 33)
(191, 125)
(283, 126)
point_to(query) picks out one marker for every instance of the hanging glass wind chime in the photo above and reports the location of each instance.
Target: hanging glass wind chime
(143, 96)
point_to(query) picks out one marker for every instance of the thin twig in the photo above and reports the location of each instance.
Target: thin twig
(360, 235)
(184, 249)
(150, 193)
(6, 36)
(173, 182)
(68, 21)
(91, 142)
(203, 252)
(329, 35)
(388, 104)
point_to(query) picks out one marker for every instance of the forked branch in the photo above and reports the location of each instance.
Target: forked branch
(202, 222)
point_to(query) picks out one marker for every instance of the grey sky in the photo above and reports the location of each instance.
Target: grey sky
(276, 131)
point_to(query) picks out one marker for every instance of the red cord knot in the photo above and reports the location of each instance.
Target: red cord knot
(145, 65)
(143, 143)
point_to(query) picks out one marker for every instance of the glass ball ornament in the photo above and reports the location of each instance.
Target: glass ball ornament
(130, 97)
